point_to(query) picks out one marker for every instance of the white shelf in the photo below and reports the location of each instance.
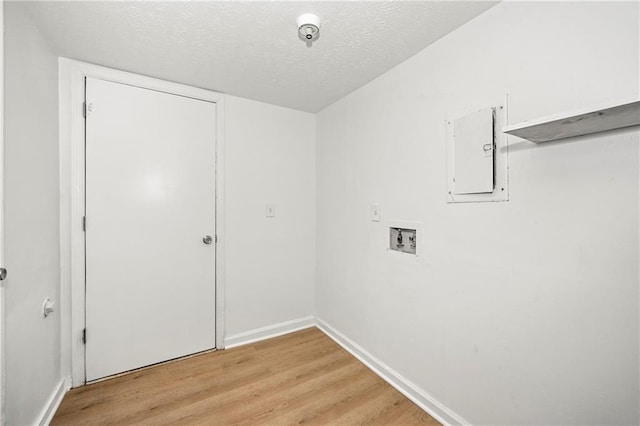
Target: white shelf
(578, 123)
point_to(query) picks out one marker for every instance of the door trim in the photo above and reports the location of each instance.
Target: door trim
(2, 309)
(71, 90)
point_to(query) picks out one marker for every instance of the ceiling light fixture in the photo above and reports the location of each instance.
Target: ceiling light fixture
(308, 27)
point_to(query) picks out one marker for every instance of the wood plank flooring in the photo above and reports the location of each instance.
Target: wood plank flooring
(300, 378)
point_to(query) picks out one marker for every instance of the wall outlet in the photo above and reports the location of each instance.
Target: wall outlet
(375, 212)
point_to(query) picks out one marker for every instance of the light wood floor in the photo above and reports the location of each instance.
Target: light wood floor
(300, 378)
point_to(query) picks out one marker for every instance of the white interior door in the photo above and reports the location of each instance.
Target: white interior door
(150, 201)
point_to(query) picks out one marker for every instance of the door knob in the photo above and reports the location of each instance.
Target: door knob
(207, 239)
(3, 274)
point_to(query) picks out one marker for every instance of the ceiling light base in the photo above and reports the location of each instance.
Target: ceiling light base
(308, 27)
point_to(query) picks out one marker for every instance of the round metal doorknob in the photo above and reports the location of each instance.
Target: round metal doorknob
(3, 274)
(207, 239)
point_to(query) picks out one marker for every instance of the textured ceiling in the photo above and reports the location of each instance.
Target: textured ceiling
(251, 48)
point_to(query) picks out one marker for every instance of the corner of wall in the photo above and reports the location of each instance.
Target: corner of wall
(55, 399)
(419, 396)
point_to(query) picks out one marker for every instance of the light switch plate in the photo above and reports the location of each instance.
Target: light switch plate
(375, 212)
(270, 210)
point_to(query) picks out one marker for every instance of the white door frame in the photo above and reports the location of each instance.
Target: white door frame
(2, 313)
(72, 200)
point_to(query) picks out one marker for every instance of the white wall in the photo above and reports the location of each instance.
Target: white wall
(31, 208)
(519, 312)
(270, 262)
(523, 312)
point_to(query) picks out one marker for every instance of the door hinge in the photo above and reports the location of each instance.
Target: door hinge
(84, 336)
(84, 109)
(84, 223)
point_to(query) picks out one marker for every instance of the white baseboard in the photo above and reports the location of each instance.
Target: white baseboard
(421, 398)
(425, 401)
(49, 410)
(268, 332)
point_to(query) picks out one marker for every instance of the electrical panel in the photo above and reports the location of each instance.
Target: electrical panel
(473, 153)
(477, 156)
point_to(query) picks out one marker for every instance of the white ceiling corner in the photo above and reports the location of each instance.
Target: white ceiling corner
(251, 48)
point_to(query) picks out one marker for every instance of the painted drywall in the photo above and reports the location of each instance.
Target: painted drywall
(267, 156)
(269, 262)
(520, 312)
(31, 215)
(251, 48)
